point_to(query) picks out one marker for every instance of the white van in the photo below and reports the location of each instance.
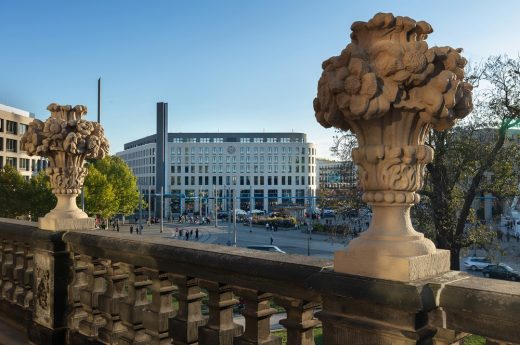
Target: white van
(267, 248)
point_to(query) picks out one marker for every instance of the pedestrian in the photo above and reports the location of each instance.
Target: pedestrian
(140, 229)
(191, 233)
(187, 235)
(267, 226)
(177, 232)
(272, 240)
(117, 227)
(131, 229)
(197, 233)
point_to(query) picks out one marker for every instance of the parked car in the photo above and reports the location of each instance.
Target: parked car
(222, 215)
(327, 213)
(500, 271)
(475, 263)
(267, 248)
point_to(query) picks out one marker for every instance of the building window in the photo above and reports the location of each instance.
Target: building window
(22, 129)
(10, 161)
(12, 128)
(11, 145)
(24, 164)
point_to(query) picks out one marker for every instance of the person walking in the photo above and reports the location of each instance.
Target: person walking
(267, 227)
(272, 240)
(131, 229)
(197, 234)
(187, 235)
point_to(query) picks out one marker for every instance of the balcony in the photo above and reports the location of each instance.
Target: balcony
(98, 287)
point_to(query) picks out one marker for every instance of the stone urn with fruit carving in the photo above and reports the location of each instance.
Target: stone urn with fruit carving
(66, 140)
(389, 88)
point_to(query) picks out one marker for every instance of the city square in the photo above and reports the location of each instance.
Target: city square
(260, 173)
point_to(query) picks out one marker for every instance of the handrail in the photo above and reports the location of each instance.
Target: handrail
(230, 265)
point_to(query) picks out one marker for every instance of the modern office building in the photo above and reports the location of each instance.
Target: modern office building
(336, 175)
(13, 124)
(253, 170)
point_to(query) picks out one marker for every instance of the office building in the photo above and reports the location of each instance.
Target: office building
(13, 124)
(336, 175)
(253, 170)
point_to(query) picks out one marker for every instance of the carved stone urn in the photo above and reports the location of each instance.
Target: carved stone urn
(66, 141)
(389, 88)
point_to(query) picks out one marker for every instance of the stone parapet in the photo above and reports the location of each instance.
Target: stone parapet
(77, 295)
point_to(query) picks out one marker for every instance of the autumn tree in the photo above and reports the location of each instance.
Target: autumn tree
(474, 157)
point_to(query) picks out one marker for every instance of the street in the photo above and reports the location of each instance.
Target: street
(291, 241)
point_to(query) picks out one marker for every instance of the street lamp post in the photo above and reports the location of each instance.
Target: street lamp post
(140, 212)
(309, 239)
(162, 208)
(215, 205)
(150, 203)
(235, 218)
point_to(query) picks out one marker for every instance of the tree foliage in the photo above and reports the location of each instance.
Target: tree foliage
(110, 188)
(21, 197)
(475, 157)
(39, 194)
(12, 192)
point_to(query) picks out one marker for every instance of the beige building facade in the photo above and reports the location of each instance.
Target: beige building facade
(13, 124)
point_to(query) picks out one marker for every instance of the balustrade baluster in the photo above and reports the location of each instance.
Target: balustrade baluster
(7, 269)
(132, 308)
(89, 297)
(79, 282)
(220, 328)
(28, 279)
(184, 328)
(23, 271)
(156, 315)
(300, 321)
(257, 314)
(110, 301)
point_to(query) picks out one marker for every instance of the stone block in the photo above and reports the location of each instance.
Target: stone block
(56, 224)
(397, 268)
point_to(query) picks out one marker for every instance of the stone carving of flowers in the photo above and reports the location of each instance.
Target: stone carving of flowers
(84, 127)
(32, 139)
(74, 143)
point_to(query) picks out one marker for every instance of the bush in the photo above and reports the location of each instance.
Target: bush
(287, 222)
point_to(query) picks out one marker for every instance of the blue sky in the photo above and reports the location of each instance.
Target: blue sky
(221, 65)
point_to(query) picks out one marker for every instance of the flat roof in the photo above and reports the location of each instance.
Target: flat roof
(227, 137)
(16, 111)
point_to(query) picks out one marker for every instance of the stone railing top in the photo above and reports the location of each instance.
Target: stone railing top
(276, 273)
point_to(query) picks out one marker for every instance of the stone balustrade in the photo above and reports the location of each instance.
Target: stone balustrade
(97, 287)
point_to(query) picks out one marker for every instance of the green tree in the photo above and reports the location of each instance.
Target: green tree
(12, 193)
(100, 198)
(40, 199)
(110, 188)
